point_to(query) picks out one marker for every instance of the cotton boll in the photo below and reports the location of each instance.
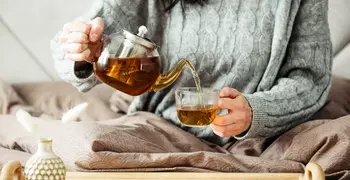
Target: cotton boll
(26, 120)
(74, 113)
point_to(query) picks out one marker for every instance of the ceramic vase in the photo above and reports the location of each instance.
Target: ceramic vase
(45, 164)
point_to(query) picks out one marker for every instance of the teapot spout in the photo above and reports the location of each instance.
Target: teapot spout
(170, 77)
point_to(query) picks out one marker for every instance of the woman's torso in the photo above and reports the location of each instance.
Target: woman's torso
(229, 42)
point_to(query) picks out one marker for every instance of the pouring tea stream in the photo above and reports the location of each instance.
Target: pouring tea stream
(130, 63)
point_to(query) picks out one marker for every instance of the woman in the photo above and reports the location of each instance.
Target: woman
(270, 58)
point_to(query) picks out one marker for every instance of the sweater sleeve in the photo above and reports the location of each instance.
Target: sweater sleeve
(80, 74)
(303, 80)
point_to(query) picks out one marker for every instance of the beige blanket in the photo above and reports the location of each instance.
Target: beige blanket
(146, 142)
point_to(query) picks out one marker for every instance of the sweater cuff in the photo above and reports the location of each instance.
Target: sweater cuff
(83, 84)
(83, 69)
(258, 120)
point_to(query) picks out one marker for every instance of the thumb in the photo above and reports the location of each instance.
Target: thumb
(229, 93)
(96, 31)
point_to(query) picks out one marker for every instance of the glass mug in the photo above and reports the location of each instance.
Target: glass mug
(192, 110)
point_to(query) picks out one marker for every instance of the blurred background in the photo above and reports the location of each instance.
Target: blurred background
(27, 26)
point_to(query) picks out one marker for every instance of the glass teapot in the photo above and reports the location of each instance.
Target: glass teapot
(130, 63)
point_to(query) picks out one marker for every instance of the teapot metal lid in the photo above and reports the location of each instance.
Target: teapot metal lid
(139, 37)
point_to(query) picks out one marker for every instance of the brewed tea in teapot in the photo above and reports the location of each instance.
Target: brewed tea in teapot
(132, 76)
(130, 63)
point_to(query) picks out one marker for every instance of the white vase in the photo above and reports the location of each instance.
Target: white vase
(45, 164)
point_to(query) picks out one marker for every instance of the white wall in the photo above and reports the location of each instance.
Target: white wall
(26, 28)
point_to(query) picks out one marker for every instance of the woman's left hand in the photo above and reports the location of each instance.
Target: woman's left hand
(239, 115)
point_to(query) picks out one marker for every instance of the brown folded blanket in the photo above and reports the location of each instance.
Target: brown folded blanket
(146, 142)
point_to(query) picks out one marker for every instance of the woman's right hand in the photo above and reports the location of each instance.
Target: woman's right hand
(82, 41)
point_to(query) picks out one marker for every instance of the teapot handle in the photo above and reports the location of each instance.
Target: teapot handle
(97, 48)
(11, 170)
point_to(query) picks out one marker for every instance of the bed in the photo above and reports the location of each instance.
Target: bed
(107, 140)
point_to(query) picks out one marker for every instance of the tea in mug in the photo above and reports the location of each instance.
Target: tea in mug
(197, 115)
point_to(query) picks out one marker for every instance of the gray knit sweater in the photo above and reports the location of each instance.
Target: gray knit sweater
(277, 52)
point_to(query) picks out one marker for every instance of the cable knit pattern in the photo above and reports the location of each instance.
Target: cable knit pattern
(278, 53)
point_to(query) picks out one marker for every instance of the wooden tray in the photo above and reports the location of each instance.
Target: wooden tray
(13, 170)
(312, 172)
(181, 176)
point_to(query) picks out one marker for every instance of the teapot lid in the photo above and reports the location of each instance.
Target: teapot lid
(139, 37)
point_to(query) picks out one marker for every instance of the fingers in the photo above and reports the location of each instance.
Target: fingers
(74, 47)
(230, 125)
(232, 118)
(226, 103)
(237, 104)
(239, 117)
(97, 27)
(76, 27)
(78, 39)
(229, 93)
(227, 131)
(223, 121)
(74, 37)
(78, 56)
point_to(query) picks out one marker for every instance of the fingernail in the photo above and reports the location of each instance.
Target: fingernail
(93, 37)
(218, 133)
